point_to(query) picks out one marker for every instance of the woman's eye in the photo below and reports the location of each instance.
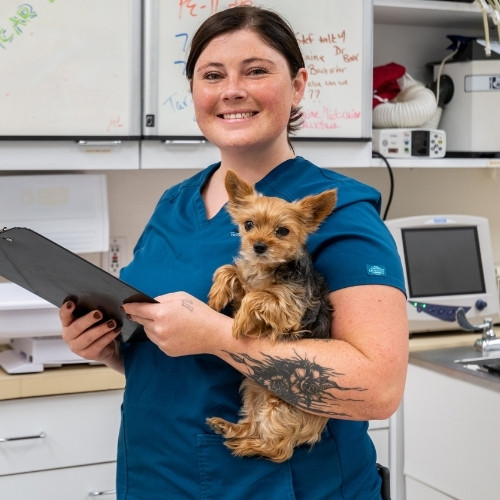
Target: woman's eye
(258, 71)
(282, 232)
(248, 225)
(212, 76)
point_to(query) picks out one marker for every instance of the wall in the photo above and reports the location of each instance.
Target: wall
(134, 194)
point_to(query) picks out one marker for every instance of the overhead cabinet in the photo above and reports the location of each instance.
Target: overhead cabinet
(70, 69)
(101, 84)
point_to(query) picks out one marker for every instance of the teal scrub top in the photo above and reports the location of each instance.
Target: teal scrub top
(165, 449)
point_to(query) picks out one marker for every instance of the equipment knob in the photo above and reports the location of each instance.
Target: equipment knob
(481, 304)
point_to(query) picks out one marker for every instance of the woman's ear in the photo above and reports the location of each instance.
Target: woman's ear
(299, 85)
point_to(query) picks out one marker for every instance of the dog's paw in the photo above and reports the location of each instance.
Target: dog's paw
(244, 325)
(218, 425)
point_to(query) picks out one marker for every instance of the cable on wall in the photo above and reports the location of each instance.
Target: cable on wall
(375, 154)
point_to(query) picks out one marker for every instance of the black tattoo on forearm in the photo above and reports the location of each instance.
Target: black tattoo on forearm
(188, 304)
(303, 383)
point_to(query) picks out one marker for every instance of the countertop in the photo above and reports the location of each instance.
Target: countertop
(429, 350)
(439, 352)
(63, 380)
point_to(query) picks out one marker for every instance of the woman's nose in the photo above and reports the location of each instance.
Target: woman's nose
(234, 88)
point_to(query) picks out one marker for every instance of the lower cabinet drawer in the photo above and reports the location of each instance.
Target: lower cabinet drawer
(74, 483)
(58, 431)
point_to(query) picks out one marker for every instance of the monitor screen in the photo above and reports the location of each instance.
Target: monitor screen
(448, 265)
(443, 261)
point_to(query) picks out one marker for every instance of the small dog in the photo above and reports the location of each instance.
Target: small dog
(274, 292)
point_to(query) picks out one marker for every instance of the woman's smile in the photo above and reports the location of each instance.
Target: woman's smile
(237, 116)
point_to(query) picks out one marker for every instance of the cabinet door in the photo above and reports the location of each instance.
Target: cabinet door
(380, 438)
(451, 437)
(58, 431)
(76, 483)
(70, 69)
(415, 490)
(379, 433)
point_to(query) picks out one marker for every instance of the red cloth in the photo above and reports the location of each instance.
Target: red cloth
(385, 83)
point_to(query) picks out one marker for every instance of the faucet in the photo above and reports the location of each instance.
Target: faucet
(488, 341)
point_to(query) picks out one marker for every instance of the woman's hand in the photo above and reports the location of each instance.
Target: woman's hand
(180, 324)
(88, 340)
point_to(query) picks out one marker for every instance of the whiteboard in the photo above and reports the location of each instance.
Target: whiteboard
(70, 68)
(335, 37)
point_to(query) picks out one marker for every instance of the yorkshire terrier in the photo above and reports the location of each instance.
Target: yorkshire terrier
(274, 292)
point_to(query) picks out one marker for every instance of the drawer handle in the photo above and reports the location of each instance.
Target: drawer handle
(102, 493)
(22, 438)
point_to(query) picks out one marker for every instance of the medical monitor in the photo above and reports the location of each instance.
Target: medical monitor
(448, 264)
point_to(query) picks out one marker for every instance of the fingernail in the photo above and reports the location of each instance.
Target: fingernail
(71, 298)
(69, 304)
(97, 315)
(111, 323)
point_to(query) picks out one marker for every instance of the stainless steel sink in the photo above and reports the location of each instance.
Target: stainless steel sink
(479, 359)
(489, 364)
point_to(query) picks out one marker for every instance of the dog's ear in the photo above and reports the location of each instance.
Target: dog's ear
(237, 189)
(314, 209)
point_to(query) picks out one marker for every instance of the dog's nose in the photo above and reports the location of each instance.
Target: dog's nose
(259, 247)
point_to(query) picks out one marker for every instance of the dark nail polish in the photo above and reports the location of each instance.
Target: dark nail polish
(111, 324)
(97, 315)
(71, 298)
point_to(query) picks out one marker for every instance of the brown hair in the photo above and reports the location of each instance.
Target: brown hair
(271, 27)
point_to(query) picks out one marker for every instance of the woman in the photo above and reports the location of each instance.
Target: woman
(246, 101)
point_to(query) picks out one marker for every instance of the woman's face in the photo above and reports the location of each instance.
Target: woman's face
(243, 92)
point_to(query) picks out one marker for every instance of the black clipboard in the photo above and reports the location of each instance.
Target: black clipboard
(54, 273)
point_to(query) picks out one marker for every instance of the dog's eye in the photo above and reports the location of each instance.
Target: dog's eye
(248, 225)
(282, 232)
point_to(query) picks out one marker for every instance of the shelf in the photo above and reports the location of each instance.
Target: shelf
(439, 163)
(455, 15)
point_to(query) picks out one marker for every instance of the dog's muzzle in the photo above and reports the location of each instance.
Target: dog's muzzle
(259, 248)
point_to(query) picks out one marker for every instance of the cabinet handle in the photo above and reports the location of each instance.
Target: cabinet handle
(22, 438)
(101, 493)
(98, 143)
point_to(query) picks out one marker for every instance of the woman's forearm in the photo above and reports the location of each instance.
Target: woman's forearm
(324, 377)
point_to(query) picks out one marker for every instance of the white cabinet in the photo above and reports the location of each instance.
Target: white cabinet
(63, 447)
(417, 489)
(451, 438)
(379, 433)
(68, 155)
(70, 92)
(410, 32)
(74, 483)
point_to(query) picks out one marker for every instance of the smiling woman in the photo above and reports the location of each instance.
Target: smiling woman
(247, 101)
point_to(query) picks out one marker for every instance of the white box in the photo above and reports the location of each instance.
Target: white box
(471, 118)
